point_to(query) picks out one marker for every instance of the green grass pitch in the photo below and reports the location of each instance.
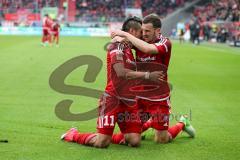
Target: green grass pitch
(205, 79)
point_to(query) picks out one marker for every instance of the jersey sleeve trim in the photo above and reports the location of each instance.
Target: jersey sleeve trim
(162, 43)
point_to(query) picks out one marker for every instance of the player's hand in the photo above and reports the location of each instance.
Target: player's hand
(157, 76)
(118, 39)
(118, 32)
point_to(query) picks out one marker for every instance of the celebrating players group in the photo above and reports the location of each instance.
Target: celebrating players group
(51, 29)
(137, 94)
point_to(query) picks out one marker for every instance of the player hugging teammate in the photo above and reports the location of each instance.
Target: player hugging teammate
(50, 31)
(136, 87)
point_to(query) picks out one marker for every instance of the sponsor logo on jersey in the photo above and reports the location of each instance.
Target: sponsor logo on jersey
(147, 59)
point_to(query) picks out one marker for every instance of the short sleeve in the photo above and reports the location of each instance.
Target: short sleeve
(116, 56)
(163, 46)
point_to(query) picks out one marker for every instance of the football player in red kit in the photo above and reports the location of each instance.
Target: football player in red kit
(55, 32)
(120, 71)
(155, 48)
(46, 30)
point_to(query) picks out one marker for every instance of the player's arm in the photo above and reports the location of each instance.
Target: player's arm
(138, 43)
(122, 72)
(118, 66)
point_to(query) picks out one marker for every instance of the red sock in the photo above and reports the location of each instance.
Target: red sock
(175, 130)
(118, 138)
(83, 138)
(146, 125)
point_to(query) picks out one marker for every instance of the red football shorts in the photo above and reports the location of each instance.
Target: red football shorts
(158, 111)
(55, 34)
(45, 32)
(112, 111)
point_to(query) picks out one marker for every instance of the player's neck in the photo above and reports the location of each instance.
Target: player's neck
(153, 40)
(156, 38)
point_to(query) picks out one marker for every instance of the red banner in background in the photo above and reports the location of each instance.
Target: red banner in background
(11, 17)
(17, 17)
(33, 17)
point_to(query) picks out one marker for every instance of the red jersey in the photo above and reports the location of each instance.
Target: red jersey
(164, 47)
(118, 53)
(47, 23)
(55, 28)
(159, 61)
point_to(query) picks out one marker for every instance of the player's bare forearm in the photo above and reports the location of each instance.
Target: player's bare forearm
(138, 43)
(122, 72)
(142, 45)
(153, 76)
(135, 75)
(119, 39)
(131, 74)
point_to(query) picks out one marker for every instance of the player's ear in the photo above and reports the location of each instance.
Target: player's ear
(131, 31)
(157, 31)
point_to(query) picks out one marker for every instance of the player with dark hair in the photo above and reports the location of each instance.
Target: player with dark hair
(120, 71)
(155, 48)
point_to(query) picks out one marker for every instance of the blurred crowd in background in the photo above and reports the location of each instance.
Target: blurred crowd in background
(112, 10)
(95, 10)
(217, 20)
(222, 10)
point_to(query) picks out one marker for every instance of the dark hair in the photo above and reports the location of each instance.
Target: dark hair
(154, 19)
(131, 22)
